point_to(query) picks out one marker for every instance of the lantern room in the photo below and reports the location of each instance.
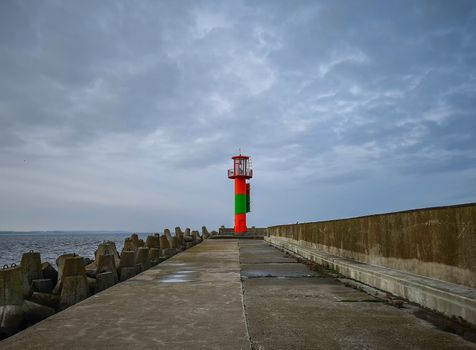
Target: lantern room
(241, 168)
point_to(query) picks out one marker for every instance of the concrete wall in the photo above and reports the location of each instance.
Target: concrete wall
(251, 230)
(434, 242)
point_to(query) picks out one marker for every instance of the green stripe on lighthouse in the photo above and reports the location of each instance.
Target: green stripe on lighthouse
(240, 203)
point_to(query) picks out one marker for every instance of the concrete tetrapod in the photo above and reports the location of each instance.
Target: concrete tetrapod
(169, 238)
(34, 312)
(188, 238)
(44, 285)
(60, 263)
(73, 282)
(105, 248)
(129, 245)
(136, 241)
(152, 241)
(142, 259)
(187, 233)
(154, 256)
(33, 274)
(46, 299)
(91, 269)
(49, 272)
(205, 233)
(11, 299)
(106, 273)
(164, 242)
(91, 283)
(15, 312)
(196, 237)
(31, 268)
(165, 249)
(104, 280)
(127, 267)
(106, 263)
(133, 243)
(179, 235)
(172, 241)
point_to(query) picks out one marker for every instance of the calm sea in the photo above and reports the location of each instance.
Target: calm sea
(51, 244)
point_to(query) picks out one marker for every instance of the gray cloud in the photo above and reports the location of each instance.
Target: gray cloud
(124, 115)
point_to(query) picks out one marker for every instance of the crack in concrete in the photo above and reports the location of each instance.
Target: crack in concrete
(253, 346)
(245, 313)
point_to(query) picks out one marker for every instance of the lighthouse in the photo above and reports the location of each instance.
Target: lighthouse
(241, 172)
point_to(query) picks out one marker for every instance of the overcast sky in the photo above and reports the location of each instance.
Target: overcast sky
(124, 114)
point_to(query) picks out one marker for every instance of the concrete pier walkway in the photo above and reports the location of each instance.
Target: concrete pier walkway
(230, 294)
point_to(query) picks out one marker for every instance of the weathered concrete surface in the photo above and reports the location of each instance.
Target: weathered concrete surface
(434, 242)
(321, 313)
(280, 269)
(198, 300)
(15, 312)
(191, 301)
(262, 254)
(450, 299)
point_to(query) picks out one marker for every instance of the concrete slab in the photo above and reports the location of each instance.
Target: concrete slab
(191, 301)
(450, 299)
(322, 313)
(254, 252)
(276, 270)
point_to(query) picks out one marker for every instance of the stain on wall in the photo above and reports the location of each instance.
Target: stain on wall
(435, 242)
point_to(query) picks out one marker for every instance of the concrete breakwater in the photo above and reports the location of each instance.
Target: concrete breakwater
(35, 290)
(426, 256)
(436, 242)
(228, 294)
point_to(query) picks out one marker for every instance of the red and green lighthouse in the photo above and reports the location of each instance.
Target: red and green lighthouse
(241, 172)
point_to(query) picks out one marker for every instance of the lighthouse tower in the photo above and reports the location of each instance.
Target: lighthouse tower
(241, 172)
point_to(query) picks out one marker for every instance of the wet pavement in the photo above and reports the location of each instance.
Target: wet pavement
(230, 294)
(190, 301)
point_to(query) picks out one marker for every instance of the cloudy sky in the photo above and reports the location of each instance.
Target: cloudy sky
(124, 114)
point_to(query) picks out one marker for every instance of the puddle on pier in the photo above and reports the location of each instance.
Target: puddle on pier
(174, 279)
(175, 263)
(179, 277)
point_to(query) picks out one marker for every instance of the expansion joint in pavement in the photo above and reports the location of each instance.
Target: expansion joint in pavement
(243, 300)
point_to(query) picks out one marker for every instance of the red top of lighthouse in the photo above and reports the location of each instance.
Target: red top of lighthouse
(241, 168)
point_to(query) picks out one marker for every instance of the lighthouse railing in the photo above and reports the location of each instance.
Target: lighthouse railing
(240, 172)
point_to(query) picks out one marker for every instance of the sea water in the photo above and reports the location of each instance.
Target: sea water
(51, 244)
